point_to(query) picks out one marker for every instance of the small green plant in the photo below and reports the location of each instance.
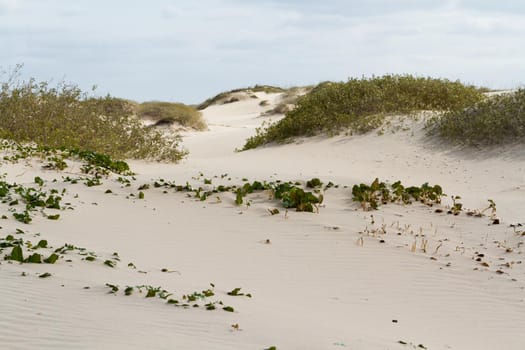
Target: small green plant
(23, 217)
(16, 254)
(456, 206)
(110, 263)
(236, 292)
(51, 259)
(113, 288)
(273, 211)
(492, 208)
(377, 193)
(314, 183)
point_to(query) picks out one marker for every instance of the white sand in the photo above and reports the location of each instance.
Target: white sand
(315, 286)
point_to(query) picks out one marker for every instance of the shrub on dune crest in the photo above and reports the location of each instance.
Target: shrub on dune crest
(360, 104)
(65, 117)
(168, 112)
(497, 120)
(226, 97)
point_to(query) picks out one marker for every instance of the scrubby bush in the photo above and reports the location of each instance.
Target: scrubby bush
(360, 105)
(66, 117)
(168, 113)
(496, 120)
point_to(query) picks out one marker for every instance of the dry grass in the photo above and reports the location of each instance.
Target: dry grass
(162, 113)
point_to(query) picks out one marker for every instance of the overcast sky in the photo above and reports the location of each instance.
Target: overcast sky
(188, 50)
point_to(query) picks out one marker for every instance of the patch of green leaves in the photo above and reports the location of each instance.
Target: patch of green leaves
(377, 193)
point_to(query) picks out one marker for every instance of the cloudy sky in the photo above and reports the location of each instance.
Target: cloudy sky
(188, 50)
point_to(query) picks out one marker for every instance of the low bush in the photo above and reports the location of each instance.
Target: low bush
(360, 105)
(496, 120)
(66, 117)
(169, 113)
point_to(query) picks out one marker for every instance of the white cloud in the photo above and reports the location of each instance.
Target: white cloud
(188, 50)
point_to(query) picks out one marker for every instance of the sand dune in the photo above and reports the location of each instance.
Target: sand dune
(401, 277)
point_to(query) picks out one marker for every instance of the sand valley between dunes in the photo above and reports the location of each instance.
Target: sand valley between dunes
(401, 277)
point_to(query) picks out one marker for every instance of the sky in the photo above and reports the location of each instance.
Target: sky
(189, 50)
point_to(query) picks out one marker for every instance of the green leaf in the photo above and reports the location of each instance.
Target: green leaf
(228, 309)
(41, 244)
(53, 217)
(51, 259)
(113, 287)
(39, 181)
(238, 197)
(34, 259)
(23, 217)
(109, 263)
(235, 292)
(45, 275)
(16, 254)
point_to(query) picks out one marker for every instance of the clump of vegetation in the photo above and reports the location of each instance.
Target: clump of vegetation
(17, 252)
(290, 195)
(167, 113)
(34, 198)
(371, 196)
(64, 116)
(296, 197)
(499, 119)
(192, 300)
(360, 105)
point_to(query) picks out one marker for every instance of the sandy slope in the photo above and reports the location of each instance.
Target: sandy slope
(324, 281)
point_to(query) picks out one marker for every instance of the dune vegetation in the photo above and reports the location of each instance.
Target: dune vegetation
(65, 117)
(359, 105)
(499, 119)
(162, 113)
(226, 96)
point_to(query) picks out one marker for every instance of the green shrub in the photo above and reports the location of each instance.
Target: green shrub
(168, 113)
(496, 120)
(65, 117)
(360, 105)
